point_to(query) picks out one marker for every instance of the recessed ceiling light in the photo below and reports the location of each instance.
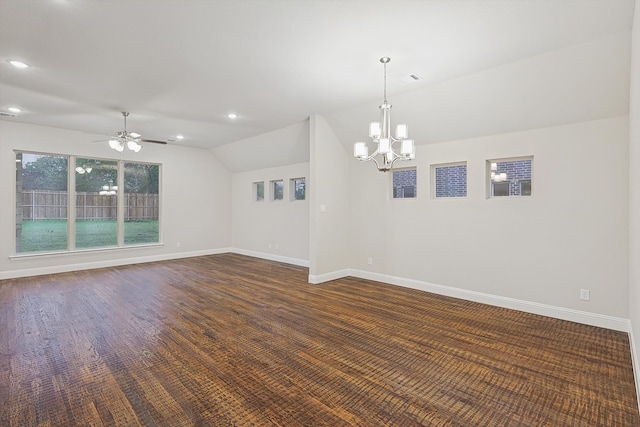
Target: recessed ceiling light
(180, 136)
(232, 115)
(18, 64)
(14, 109)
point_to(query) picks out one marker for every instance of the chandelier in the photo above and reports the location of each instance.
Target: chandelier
(109, 190)
(385, 154)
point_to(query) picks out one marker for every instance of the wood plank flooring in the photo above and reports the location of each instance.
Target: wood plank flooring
(229, 340)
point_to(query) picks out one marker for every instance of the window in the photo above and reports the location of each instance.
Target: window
(96, 200)
(141, 203)
(298, 188)
(449, 180)
(509, 177)
(404, 183)
(258, 191)
(42, 202)
(277, 190)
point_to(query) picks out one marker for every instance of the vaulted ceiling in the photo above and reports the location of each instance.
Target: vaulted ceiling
(181, 66)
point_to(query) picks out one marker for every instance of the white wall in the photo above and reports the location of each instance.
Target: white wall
(195, 200)
(329, 209)
(277, 230)
(281, 147)
(576, 83)
(571, 234)
(634, 197)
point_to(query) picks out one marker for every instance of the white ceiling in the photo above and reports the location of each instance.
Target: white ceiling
(180, 66)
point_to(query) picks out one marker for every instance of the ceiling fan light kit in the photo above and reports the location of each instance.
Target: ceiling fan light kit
(130, 140)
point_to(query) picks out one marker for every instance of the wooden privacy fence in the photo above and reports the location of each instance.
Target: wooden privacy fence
(44, 204)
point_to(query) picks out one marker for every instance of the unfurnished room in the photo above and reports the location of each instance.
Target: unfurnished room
(320, 213)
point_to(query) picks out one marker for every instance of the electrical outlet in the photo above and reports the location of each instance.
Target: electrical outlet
(269, 245)
(585, 295)
(177, 244)
(276, 247)
(370, 261)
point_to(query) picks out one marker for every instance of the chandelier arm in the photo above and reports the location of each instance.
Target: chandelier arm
(376, 162)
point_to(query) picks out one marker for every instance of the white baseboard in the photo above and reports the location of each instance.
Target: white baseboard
(593, 319)
(635, 358)
(65, 268)
(314, 279)
(271, 257)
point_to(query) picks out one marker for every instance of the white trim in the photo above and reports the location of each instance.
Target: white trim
(75, 252)
(315, 279)
(635, 359)
(105, 264)
(593, 319)
(271, 257)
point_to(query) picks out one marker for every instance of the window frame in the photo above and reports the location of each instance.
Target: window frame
(292, 189)
(415, 186)
(255, 193)
(489, 184)
(72, 164)
(272, 188)
(434, 184)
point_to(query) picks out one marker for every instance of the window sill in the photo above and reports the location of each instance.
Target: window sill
(31, 255)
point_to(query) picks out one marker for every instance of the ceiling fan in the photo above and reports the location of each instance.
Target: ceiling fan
(131, 140)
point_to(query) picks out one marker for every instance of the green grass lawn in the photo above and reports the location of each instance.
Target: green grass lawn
(51, 235)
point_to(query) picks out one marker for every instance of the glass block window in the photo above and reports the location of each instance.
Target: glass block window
(405, 183)
(298, 188)
(510, 177)
(450, 180)
(277, 190)
(258, 191)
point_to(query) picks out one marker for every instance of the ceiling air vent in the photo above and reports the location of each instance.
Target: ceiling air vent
(4, 114)
(411, 78)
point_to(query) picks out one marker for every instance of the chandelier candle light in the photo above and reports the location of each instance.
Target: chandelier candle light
(380, 133)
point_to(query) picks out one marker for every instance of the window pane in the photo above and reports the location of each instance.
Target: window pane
(96, 203)
(500, 189)
(510, 178)
(41, 203)
(258, 191)
(451, 181)
(298, 185)
(141, 203)
(404, 183)
(278, 189)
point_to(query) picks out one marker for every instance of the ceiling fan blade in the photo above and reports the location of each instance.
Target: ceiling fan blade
(101, 140)
(154, 141)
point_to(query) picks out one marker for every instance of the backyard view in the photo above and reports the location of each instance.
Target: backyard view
(51, 235)
(43, 202)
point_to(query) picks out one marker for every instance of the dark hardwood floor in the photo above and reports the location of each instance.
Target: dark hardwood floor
(229, 340)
